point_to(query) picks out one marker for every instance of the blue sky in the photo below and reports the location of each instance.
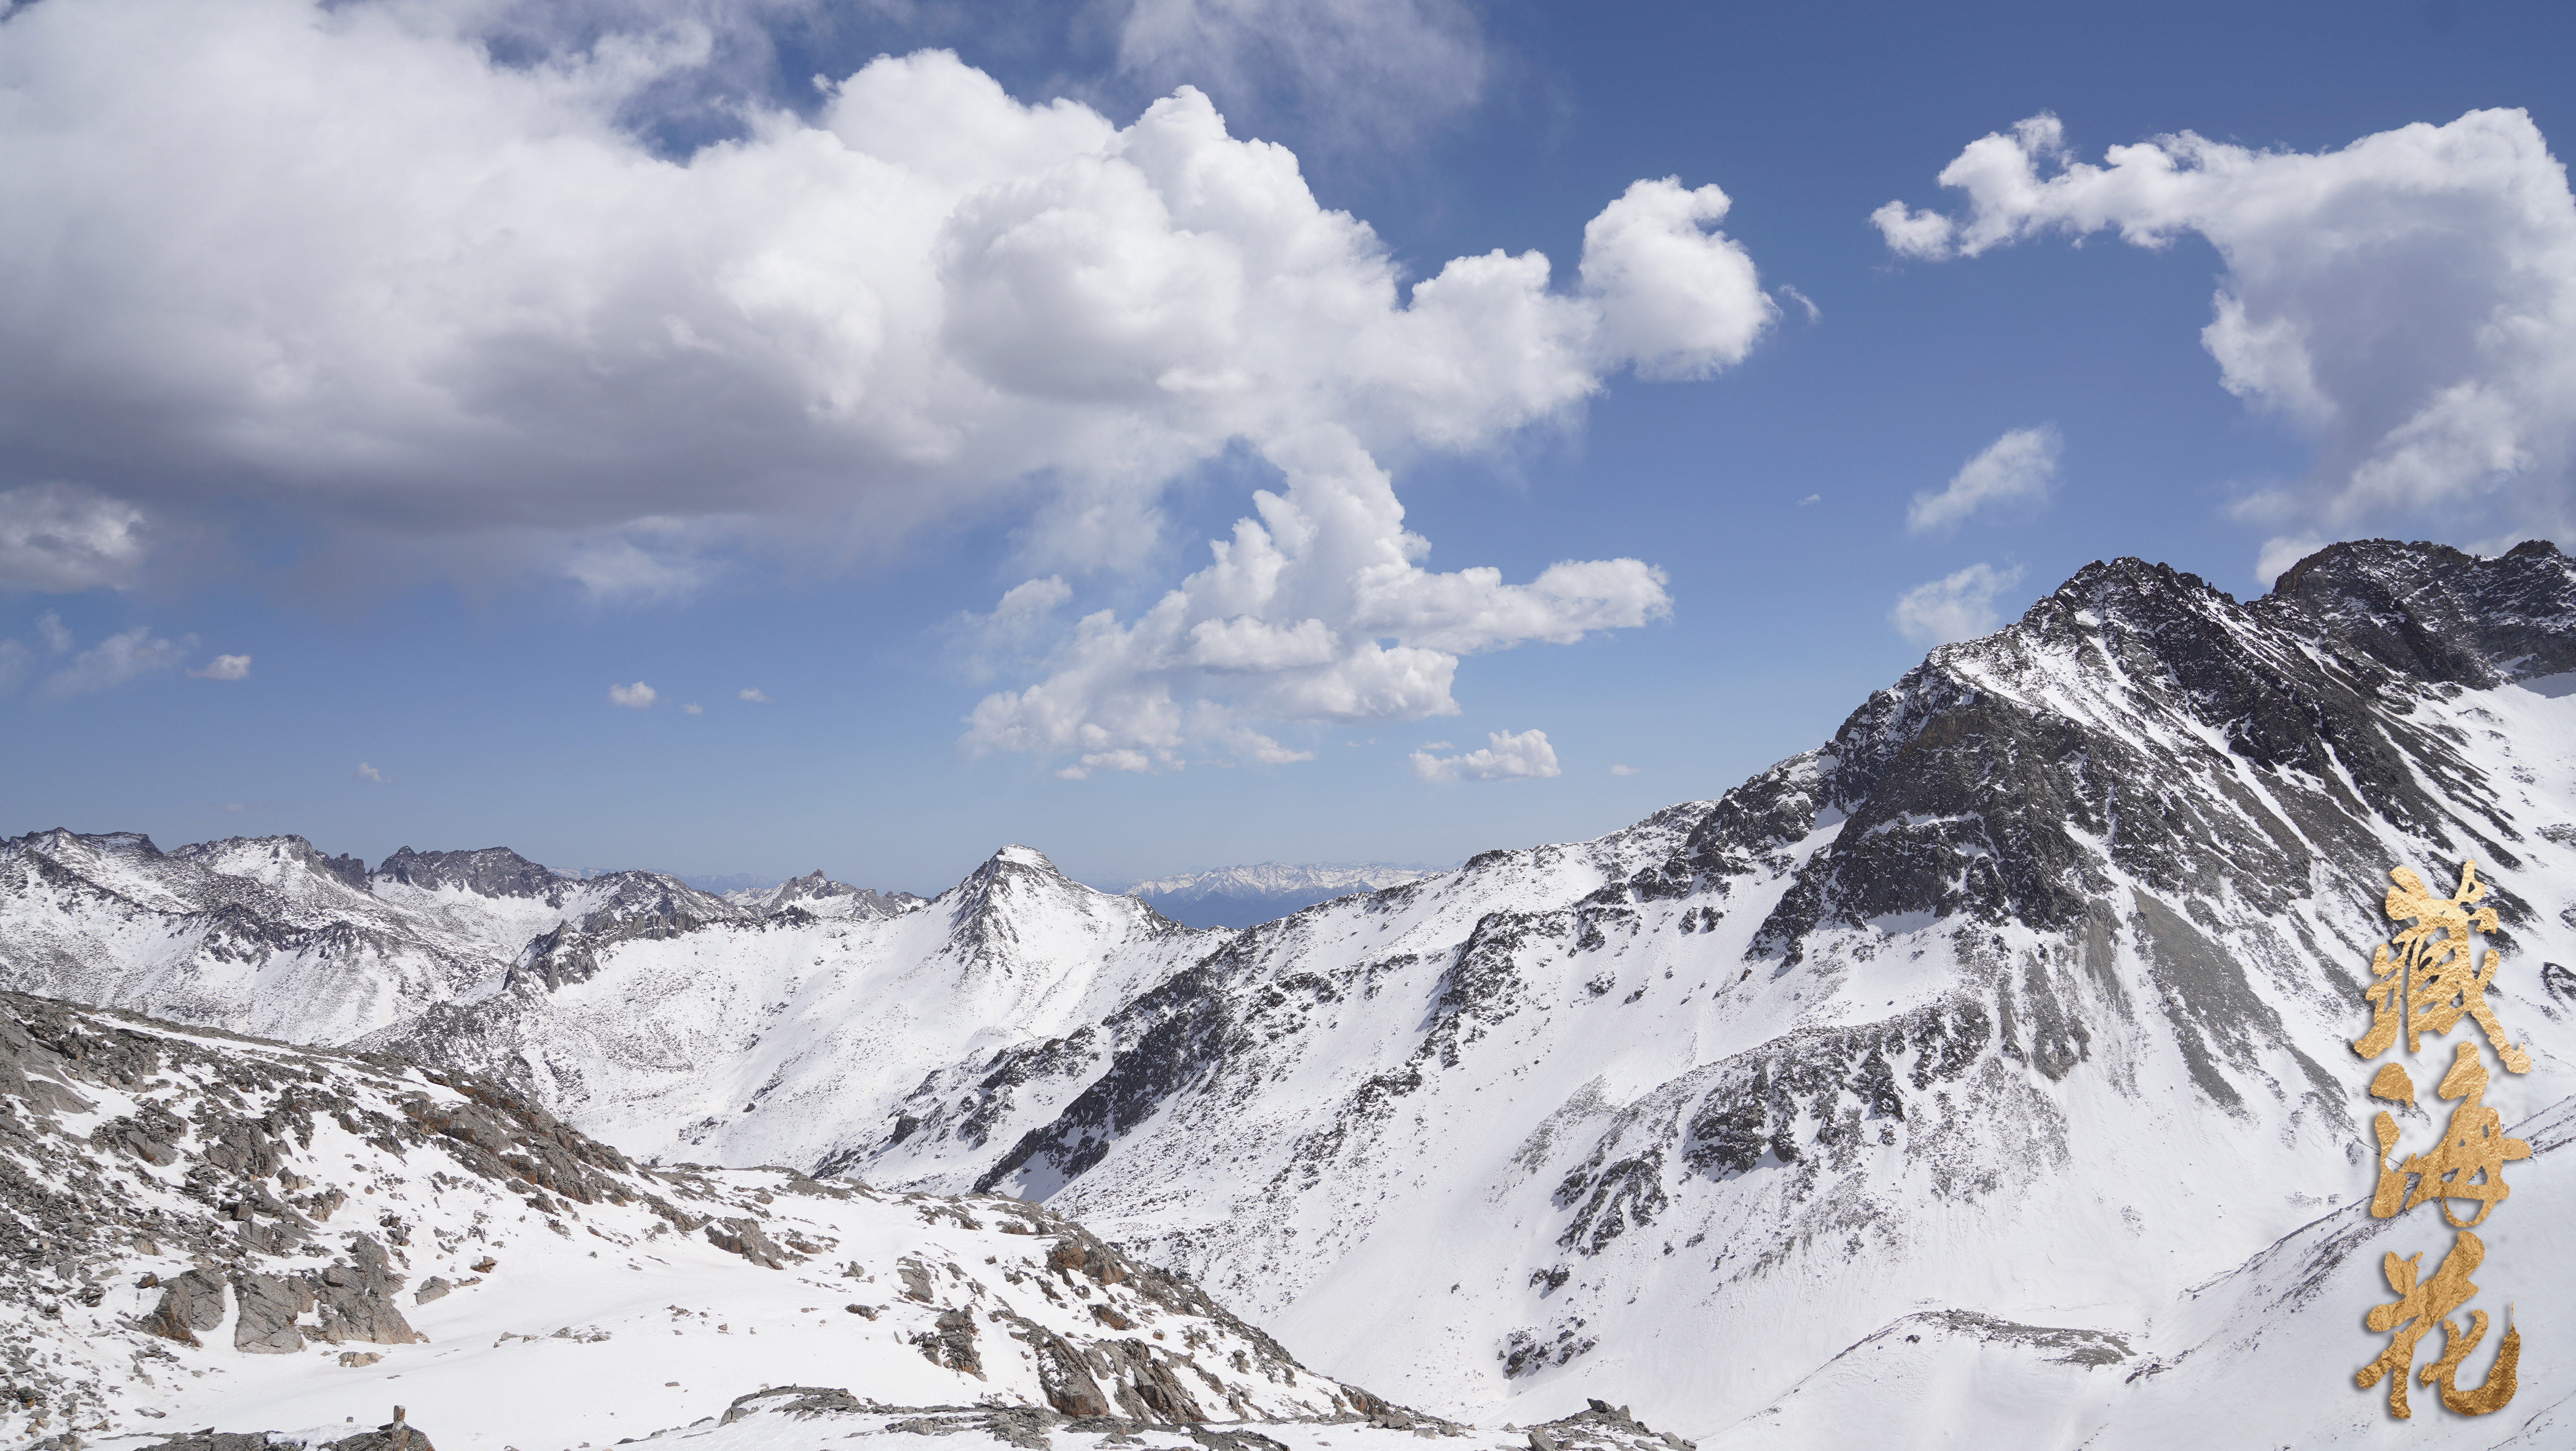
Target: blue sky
(456, 364)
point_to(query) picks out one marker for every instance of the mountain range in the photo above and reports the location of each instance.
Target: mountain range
(1245, 896)
(1983, 1072)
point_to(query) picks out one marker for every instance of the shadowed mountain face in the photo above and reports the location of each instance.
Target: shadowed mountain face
(494, 871)
(2023, 999)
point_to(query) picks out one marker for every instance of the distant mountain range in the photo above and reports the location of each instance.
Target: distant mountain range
(1979, 1076)
(1248, 895)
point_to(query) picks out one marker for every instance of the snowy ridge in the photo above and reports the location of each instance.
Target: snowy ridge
(1244, 895)
(267, 935)
(1274, 879)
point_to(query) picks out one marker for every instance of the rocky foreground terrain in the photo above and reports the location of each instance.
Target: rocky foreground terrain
(1984, 1070)
(204, 1231)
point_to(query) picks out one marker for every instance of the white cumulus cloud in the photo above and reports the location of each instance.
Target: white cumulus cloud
(225, 667)
(1672, 303)
(1623, 770)
(1525, 756)
(2018, 468)
(753, 694)
(370, 775)
(1955, 607)
(2407, 302)
(819, 333)
(1318, 610)
(638, 696)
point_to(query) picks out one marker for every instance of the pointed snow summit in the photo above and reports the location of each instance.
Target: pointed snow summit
(1017, 915)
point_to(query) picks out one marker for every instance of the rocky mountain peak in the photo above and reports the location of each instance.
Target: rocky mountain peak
(819, 894)
(2009, 778)
(2433, 612)
(1017, 900)
(492, 871)
(230, 853)
(105, 843)
(1014, 875)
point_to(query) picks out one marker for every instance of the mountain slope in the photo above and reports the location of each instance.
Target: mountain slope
(203, 1229)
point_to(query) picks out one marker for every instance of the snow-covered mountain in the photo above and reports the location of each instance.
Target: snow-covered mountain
(817, 896)
(798, 1039)
(267, 935)
(206, 1230)
(1960, 1050)
(1244, 896)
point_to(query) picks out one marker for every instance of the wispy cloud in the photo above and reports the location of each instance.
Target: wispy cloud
(2018, 468)
(1955, 607)
(754, 694)
(114, 661)
(1623, 770)
(693, 708)
(370, 775)
(1356, 72)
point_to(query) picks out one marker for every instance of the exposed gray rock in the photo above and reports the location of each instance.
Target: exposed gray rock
(492, 871)
(802, 1402)
(391, 1436)
(190, 1302)
(744, 1237)
(1062, 1374)
(269, 1308)
(1602, 1425)
(950, 1343)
